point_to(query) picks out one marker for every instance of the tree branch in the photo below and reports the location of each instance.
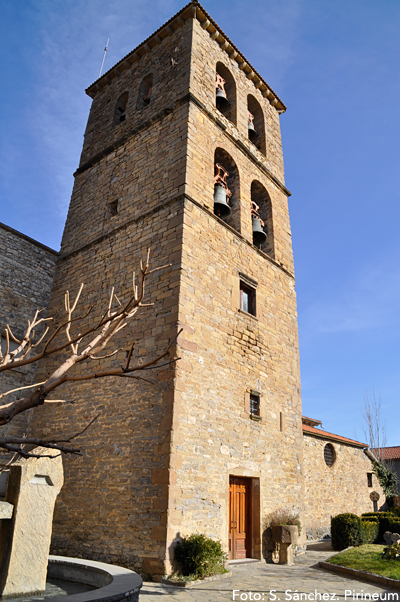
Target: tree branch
(14, 444)
(111, 322)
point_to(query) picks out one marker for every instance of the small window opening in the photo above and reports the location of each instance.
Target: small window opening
(225, 92)
(113, 208)
(120, 109)
(252, 130)
(146, 100)
(369, 479)
(247, 299)
(375, 503)
(227, 204)
(256, 125)
(329, 455)
(261, 217)
(254, 404)
(145, 92)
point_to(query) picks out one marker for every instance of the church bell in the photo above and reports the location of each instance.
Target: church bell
(252, 131)
(259, 235)
(221, 207)
(221, 100)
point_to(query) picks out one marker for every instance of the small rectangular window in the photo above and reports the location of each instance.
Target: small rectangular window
(247, 299)
(369, 479)
(254, 404)
(113, 208)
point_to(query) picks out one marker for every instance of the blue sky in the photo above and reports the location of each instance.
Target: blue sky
(335, 64)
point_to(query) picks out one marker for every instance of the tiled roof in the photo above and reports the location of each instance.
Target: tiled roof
(387, 453)
(310, 430)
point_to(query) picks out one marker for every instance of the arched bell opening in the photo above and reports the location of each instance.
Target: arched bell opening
(226, 189)
(261, 218)
(145, 92)
(120, 108)
(256, 124)
(225, 92)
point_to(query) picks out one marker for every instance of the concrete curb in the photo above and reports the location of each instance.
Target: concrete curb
(114, 582)
(181, 584)
(361, 575)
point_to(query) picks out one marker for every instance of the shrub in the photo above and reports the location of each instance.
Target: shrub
(394, 524)
(200, 556)
(282, 517)
(369, 530)
(387, 522)
(346, 531)
(387, 479)
(392, 552)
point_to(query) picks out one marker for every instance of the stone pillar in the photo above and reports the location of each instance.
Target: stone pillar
(32, 488)
(284, 536)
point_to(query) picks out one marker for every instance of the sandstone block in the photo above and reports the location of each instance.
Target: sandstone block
(33, 486)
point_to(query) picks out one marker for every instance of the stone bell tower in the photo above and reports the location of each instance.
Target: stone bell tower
(182, 153)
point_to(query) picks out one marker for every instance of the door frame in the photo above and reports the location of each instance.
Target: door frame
(253, 535)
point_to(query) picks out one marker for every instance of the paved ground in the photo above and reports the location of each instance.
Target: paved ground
(274, 583)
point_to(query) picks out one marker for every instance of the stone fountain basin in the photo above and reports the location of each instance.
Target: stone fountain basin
(112, 582)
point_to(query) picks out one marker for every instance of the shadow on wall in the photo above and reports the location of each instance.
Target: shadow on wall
(171, 552)
(268, 545)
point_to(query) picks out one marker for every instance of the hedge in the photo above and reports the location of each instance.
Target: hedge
(388, 521)
(369, 530)
(346, 531)
(351, 530)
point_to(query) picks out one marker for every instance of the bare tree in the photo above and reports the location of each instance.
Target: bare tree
(374, 426)
(83, 345)
(375, 431)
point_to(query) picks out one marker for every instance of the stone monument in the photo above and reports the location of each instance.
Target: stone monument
(25, 533)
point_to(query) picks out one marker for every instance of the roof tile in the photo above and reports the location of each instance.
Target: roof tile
(387, 453)
(310, 430)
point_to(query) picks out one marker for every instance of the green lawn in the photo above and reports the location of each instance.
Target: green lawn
(368, 558)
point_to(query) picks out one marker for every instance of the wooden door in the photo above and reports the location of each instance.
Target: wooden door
(239, 517)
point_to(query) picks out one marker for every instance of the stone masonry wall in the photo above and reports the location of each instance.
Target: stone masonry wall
(205, 56)
(26, 275)
(225, 354)
(209, 129)
(170, 84)
(225, 351)
(332, 490)
(113, 505)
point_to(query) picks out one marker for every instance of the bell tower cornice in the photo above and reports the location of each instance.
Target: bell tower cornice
(193, 10)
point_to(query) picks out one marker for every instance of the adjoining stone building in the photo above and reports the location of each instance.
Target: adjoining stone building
(26, 277)
(391, 456)
(216, 444)
(338, 478)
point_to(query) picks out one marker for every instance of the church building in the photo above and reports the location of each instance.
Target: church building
(182, 155)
